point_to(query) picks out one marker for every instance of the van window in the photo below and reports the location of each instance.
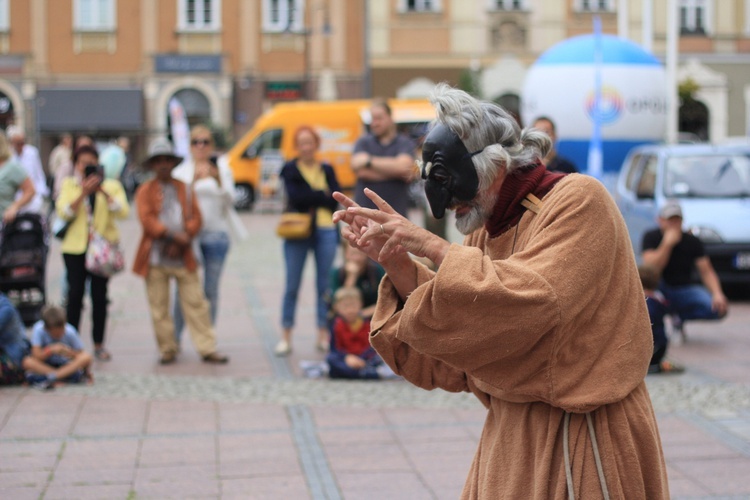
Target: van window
(647, 184)
(635, 167)
(268, 141)
(720, 175)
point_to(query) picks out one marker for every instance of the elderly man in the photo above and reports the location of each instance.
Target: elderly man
(540, 313)
(384, 161)
(28, 156)
(675, 253)
(171, 218)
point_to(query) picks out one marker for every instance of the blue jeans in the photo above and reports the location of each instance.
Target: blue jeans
(689, 301)
(214, 246)
(323, 243)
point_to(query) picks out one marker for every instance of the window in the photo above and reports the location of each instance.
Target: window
(633, 173)
(596, 5)
(507, 5)
(419, 6)
(647, 183)
(284, 15)
(4, 15)
(694, 17)
(94, 15)
(268, 142)
(199, 15)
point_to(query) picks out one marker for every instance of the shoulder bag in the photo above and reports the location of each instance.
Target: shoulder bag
(103, 257)
(295, 225)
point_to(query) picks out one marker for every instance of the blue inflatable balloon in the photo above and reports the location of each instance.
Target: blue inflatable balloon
(633, 108)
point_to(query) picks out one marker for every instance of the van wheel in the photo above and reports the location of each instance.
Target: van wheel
(244, 196)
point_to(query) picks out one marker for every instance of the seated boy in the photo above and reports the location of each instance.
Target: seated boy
(658, 308)
(351, 355)
(56, 350)
(13, 344)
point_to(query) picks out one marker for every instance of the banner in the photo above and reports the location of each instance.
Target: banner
(179, 128)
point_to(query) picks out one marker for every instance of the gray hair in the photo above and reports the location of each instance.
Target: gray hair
(485, 126)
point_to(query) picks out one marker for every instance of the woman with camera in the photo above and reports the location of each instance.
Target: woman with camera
(89, 202)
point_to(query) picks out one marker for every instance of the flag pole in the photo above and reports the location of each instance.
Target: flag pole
(595, 160)
(671, 60)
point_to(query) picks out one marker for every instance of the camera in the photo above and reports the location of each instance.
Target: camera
(92, 169)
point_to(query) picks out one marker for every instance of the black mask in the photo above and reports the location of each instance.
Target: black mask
(448, 170)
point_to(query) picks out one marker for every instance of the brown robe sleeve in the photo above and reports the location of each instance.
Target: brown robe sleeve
(553, 320)
(421, 370)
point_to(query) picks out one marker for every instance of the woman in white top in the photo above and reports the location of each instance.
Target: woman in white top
(213, 185)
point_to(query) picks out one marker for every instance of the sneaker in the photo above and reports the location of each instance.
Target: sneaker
(385, 372)
(678, 327)
(168, 358)
(666, 367)
(282, 348)
(216, 358)
(44, 385)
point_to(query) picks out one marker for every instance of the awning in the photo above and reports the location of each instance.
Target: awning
(92, 110)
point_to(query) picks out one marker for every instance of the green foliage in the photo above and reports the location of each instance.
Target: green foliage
(468, 81)
(687, 89)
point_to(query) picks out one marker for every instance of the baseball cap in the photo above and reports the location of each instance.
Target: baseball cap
(670, 209)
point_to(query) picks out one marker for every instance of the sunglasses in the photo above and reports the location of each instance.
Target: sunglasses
(200, 142)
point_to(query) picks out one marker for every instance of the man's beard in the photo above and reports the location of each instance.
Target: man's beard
(481, 211)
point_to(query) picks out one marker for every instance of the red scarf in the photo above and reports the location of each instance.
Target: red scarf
(508, 209)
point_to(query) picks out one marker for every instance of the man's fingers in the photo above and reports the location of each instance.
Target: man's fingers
(373, 214)
(344, 200)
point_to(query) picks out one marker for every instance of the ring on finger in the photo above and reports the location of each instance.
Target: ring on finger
(382, 231)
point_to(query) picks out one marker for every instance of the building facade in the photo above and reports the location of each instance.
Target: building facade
(490, 44)
(110, 67)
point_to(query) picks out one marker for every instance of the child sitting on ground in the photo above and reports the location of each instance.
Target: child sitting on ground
(351, 355)
(657, 310)
(56, 351)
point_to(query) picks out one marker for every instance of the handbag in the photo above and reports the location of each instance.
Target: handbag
(103, 257)
(295, 225)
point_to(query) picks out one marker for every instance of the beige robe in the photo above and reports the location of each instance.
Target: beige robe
(548, 318)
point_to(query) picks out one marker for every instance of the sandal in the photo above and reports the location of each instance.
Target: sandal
(666, 367)
(102, 354)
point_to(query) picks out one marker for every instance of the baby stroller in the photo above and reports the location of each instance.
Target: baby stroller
(23, 257)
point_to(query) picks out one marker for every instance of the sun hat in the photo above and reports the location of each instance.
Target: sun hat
(161, 148)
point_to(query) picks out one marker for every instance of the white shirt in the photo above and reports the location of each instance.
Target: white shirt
(32, 163)
(214, 201)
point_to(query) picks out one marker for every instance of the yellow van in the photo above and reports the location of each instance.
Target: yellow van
(258, 156)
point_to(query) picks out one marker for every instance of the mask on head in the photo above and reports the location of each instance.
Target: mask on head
(448, 170)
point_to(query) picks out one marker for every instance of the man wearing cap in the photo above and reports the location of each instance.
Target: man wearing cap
(675, 253)
(170, 217)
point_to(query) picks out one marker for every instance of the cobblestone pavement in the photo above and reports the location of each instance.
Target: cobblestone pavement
(257, 429)
(684, 394)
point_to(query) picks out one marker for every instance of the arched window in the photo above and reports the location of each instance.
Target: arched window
(694, 118)
(197, 107)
